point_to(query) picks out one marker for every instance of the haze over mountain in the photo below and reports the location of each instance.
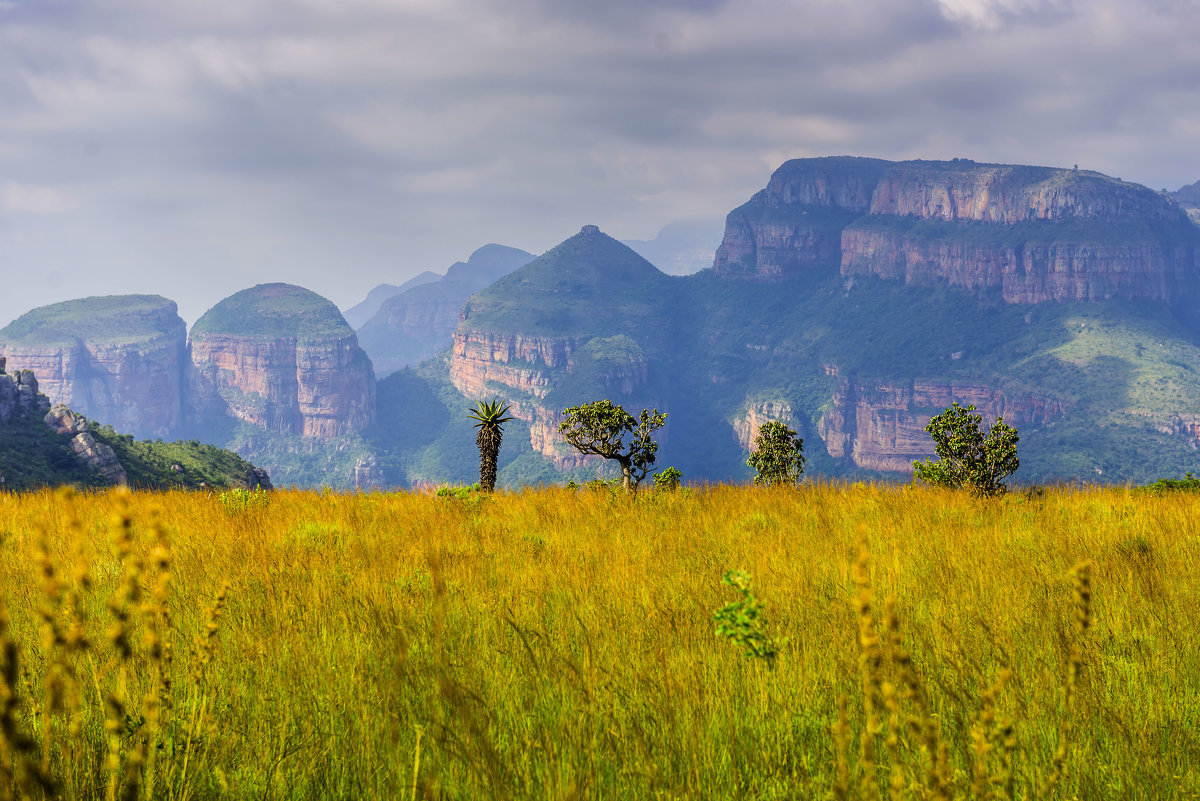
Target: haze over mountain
(851, 298)
(177, 150)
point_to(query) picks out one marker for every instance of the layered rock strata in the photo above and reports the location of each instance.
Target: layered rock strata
(1036, 234)
(119, 359)
(297, 369)
(756, 415)
(881, 425)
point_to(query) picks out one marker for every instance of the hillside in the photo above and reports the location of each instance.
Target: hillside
(413, 325)
(43, 446)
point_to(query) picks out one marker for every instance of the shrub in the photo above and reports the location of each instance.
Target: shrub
(967, 457)
(778, 455)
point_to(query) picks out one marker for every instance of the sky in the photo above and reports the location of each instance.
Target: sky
(192, 148)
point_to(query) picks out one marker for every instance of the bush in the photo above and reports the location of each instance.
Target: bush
(966, 457)
(778, 455)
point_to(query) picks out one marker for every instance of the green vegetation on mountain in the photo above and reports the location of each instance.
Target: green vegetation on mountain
(32, 456)
(590, 285)
(268, 311)
(154, 464)
(111, 319)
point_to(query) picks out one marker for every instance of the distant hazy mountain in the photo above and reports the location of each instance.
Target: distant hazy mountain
(681, 248)
(852, 299)
(417, 323)
(358, 314)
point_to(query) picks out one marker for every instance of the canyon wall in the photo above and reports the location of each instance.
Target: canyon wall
(1036, 234)
(119, 360)
(295, 368)
(881, 425)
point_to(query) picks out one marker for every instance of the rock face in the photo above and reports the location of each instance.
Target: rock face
(19, 391)
(416, 323)
(1036, 234)
(282, 358)
(881, 425)
(98, 456)
(746, 426)
(116, 359)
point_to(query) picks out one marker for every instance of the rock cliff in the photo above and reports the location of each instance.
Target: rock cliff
(756, 414)
(881, 425)
(282, 358)
(117, 359)
(1036, 234)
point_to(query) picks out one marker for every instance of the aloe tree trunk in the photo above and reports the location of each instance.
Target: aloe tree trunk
(488, 441)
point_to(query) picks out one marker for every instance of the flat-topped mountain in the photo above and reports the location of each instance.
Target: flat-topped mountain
(1035, 234)
(414, 324)
(282, 358)
(118, 358)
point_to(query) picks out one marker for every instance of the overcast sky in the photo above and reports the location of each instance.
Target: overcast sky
(192, 148)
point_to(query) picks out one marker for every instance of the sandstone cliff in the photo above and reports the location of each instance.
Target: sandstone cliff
(1036, 234)
(117, 359)
(881, 425)
(756, 414)
(282, 358)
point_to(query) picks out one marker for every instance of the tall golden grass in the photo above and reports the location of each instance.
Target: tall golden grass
(554, 644)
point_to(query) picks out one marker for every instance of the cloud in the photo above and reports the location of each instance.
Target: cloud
(193, 148)
(30, 199)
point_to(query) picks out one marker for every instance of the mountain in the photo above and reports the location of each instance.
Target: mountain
(854, 299)
(681, 248)
(413, 325)
(361, 312)
(282, 358)
(851, 298)
(119, 358)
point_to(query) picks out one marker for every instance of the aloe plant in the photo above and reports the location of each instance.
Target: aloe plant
(491, 416)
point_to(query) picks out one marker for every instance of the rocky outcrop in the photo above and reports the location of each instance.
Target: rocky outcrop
(98, 456)
(881, 425)
(368, 475)
(1037, 234)
(979, 257)
(19, 391)
(282, 358)
(756, 414)
(516, 361)
(118, 359)
(314, 388)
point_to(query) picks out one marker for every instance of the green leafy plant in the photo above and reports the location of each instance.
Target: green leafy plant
(966, 456)
(491, 417)
(778, 455)
(471, 494)
(742, 621)
(667, 480)
(1188, 483)
(599, 428)
(238, 500)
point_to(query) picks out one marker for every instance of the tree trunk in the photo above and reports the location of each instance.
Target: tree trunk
(626, 476)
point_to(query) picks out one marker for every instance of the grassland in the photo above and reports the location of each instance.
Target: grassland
(553, 644)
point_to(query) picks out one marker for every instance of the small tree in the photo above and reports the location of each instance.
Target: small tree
(966, 457)
(491, 417)
(778, 455)
(599, 428)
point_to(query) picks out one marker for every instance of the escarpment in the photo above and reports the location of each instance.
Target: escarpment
(1036, 234)
(282, 358)
(881, 425)
(117, 359)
